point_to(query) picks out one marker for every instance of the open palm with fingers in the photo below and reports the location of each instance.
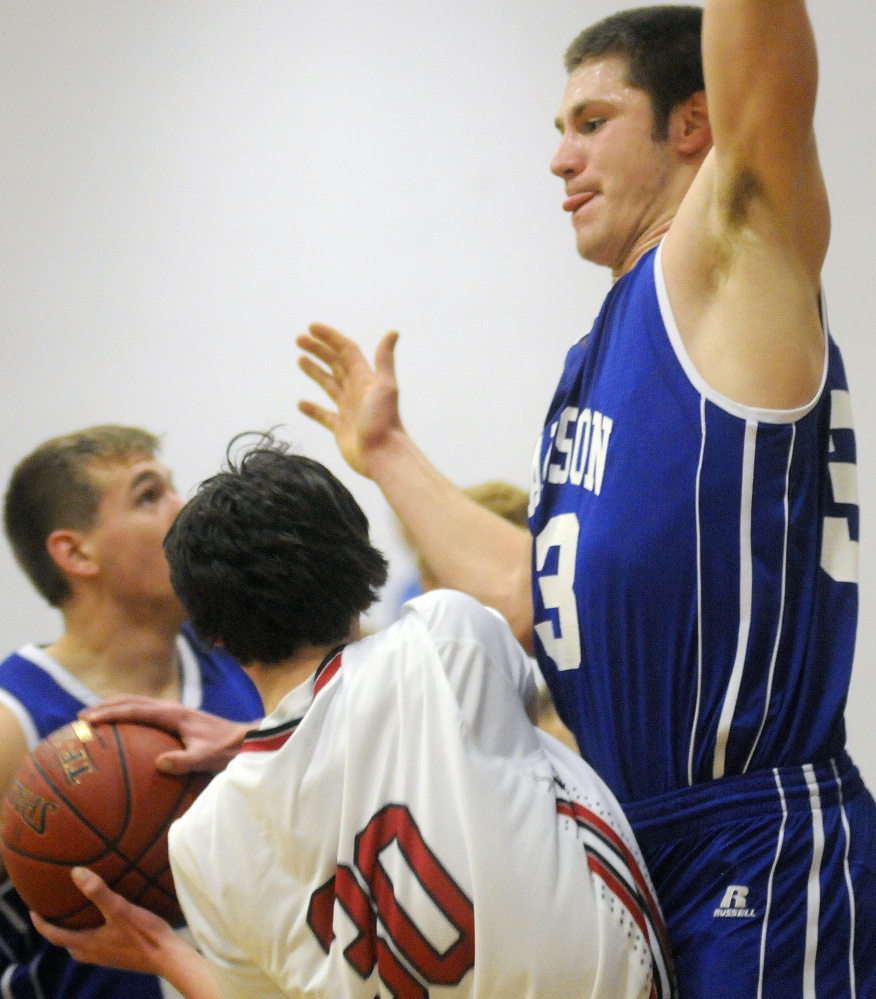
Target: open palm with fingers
(366, 398)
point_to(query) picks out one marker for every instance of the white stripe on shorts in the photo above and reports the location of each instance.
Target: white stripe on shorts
(848, 875)
(769, 898)
(813, 889)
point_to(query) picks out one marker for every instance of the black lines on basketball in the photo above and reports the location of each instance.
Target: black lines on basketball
(92, 796)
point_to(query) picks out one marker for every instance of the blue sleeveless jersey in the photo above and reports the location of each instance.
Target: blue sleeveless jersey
(44, 696)
(694, 560)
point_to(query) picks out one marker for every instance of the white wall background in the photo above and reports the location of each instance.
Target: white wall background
(186, 184)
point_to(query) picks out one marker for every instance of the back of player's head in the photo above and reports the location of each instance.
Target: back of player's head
(510, 502)
(272, 554)
(663, 49)
(52, 489)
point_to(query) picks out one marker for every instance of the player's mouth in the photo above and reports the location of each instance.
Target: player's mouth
(576, 201)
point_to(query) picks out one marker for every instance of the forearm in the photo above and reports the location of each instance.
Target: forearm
(188, 972)
(466, 547)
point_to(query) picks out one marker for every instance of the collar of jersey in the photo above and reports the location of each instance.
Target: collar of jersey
(265, 740)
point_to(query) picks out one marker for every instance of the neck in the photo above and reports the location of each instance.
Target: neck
(274, 680)
(113, 650)
(647, 241)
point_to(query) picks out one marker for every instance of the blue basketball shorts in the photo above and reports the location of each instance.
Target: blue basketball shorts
(767, 882)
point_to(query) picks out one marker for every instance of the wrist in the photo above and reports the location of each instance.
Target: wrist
(383, 457)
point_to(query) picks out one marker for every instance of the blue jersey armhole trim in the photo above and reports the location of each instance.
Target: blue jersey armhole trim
(748, 413)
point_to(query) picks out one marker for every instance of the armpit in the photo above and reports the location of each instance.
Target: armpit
(735, 199)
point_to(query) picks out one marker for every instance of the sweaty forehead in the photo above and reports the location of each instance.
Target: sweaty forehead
(601, 80)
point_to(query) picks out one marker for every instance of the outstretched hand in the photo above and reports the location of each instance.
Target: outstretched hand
(366, 397)
(132, 939)
(210, 742)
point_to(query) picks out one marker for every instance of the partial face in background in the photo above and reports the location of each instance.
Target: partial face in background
(138, 504)
(616, 174)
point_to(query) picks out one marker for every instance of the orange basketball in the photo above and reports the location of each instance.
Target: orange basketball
(90, 796)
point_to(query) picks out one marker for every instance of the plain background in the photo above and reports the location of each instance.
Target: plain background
(186, 184)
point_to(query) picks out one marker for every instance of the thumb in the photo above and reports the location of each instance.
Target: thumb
(175, 763)
(384, 357)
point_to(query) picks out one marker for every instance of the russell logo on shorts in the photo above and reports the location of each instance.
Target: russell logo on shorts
(734, 904)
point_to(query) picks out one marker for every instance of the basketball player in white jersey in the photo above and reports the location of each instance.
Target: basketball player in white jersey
(396, 826)
(690, 583)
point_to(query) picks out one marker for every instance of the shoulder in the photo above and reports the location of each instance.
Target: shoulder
(225, 688)
(454, 614)
(38, 692)
(475, 645)
(456, 621)
(12, 663)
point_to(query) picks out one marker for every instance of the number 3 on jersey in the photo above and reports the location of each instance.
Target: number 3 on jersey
(558, 591)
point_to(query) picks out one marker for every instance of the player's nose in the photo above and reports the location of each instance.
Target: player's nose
(567, 160)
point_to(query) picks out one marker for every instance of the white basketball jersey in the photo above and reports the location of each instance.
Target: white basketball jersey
(397, 827)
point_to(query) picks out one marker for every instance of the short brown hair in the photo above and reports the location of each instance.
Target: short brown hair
(509, 501)
(663, 50)
(51, 489)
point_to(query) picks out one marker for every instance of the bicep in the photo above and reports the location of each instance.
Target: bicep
(13, 747)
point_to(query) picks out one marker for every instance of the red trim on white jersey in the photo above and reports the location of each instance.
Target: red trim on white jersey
(327, 671)
(610, 859)
(268, 740)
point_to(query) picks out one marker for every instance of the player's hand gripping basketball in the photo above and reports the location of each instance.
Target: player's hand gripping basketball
(366, 398)
(210, 742)
(133, 939)
(130, 937)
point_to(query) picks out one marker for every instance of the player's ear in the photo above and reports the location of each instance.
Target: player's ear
(689, 128)
(70, 551)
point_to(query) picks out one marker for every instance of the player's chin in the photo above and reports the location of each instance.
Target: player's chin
(594, 249)
(589, 250)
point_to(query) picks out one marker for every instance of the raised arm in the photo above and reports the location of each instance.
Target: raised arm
(761, 73)
(744, 256)
(467, 547)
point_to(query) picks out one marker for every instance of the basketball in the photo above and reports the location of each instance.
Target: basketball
(90, 796)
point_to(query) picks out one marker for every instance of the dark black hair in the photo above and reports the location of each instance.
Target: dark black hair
(663, 49)
(272, 554)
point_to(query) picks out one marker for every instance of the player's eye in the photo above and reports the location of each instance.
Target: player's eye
(150, 495)
(592, 125)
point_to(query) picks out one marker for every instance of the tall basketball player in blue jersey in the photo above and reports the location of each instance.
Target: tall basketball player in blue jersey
(86, 515)
(690, 587)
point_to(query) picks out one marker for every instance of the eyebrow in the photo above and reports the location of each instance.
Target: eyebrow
(147, 475)
(576, 111)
